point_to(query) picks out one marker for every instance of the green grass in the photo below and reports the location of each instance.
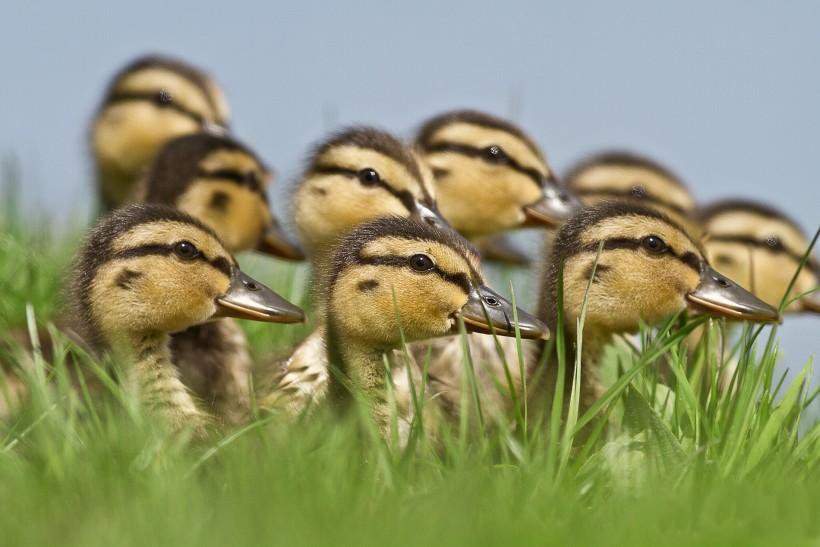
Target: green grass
(681, 462)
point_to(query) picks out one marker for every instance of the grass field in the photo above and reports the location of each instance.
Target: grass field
(676, 465)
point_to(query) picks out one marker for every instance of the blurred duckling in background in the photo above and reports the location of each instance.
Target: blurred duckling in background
(761, 248)
(220, 182)
(398, 279)
(150, 101)
(147, 271)
(356, 175)
(650, 268)
(628, 177)
(491, 177)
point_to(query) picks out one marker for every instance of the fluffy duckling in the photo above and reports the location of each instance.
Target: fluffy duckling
(356, 175)
(221, 182)
(491, 177)
(624, 176)
(147, 271)
(761, 248)
(148, 102)
(398, 275)
(650, 268)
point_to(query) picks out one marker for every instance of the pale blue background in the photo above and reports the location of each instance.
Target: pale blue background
(726, 93)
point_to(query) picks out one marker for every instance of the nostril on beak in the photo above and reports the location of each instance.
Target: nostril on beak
(721, 281)
(432, 222)
(491, 301)
(251, 286)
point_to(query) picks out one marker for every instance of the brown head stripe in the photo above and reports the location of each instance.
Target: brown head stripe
(636, 192)
(771, 244)
(460, 279)
(407, 199)
(472, 151)
(193, 75)
(162, 249)
(177, 165)
(368, 138)
(689, 258)
(619, 158)
(349, 248)
(473, 117)
(161, 99)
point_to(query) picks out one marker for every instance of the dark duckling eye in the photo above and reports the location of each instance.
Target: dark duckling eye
(164, 98)
(654, 244)
(638, 191)
(369, 176)
(774, 243)
(421, 263)
(496, 154)
(186, 250)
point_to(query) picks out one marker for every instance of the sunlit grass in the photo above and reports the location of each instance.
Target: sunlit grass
(666, 456)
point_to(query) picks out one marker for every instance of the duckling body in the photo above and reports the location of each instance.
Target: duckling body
(491, 177)
(761, 248)
(356, 175)
(147, 103)
(221, 182)
(148, 271)
(397, 279)
(650, 268)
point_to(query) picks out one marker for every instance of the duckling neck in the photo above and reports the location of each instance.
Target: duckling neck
(356, 368)
(158, 385)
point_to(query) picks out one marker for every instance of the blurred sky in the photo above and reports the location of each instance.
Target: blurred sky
(726, 93)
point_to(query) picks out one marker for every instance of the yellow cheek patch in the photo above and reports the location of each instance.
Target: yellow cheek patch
(481, 137)
(236, 213)
(182, 90)
(390, 170)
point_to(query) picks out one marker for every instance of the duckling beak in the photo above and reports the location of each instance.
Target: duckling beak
(246, 298)
(501, 249)
(487, 311)
(275, 242)
(430, 215)
(557, 205)
(719, 295)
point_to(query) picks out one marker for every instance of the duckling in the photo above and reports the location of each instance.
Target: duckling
(761, 248)
(147, 271)
(624, 176)
(356, 175)
(397, 277)
(221, 182)
(650, 268)
(148, 102)
(491, 177)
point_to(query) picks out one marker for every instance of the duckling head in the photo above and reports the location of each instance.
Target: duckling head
(628, 177)
(490, 176)
(357, 175)
(150, 101)
(649, 269)
(761, 248)
(221, 182)
(399, 275)
(150, 269)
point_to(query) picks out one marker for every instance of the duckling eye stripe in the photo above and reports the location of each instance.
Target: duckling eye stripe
(156, 99)
(472, 151)
(689, 258)
(780, 249)
(236, 177)
(161, 249)
(459, 279)
(611, 192)
(404, 196)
